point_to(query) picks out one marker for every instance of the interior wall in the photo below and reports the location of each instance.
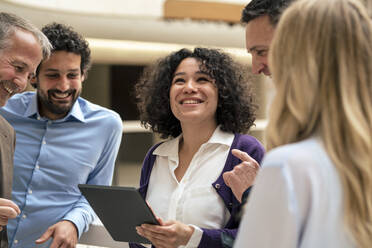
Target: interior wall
(123, 80)
(97, 86)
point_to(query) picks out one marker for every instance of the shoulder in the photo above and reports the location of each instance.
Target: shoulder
(247, 140)
(302, 171)
(154, 151)
(150, 158)
(7, 140)
(159, 146)
(250, 145)
(107, 117)
(19, 103)
(5, 127)
(296, 151)
(302, 158)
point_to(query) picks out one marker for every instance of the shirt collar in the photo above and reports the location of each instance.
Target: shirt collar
(221, 137)
(31, 110)
(74, 114)
(170, 148)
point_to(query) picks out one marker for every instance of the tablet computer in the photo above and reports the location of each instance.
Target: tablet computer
(120, 209)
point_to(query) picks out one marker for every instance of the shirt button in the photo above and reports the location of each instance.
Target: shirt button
(30, 191)
(217, 186)
(38, 118)
(44, 142)
(37, 166)
(24, 216)
(16, 241)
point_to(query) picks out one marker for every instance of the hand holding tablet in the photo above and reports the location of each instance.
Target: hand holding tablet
(121, 210)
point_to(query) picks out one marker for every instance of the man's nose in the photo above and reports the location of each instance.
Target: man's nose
(63, 84)
(257, 66)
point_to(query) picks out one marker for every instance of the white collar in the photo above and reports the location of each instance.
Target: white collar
(170, 147)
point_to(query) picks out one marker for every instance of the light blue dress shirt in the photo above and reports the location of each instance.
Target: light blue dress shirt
(52, 158)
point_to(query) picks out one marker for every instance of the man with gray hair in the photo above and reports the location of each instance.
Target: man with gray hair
(22, 47)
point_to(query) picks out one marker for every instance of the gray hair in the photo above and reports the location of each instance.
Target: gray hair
(9, 23)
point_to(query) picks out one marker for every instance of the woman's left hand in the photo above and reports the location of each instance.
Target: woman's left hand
(169, 234)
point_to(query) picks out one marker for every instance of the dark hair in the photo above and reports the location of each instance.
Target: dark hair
(235, 110)
(257, 8)
(64, 38)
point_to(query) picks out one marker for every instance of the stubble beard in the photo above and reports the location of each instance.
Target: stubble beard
(55, 108)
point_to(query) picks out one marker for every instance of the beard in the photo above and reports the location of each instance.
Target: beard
(54, 107)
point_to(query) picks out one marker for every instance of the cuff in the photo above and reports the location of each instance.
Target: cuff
(195, 237)
(80, 218)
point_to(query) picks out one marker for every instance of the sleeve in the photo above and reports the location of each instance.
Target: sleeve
(271, 215)
(195, 237)
(135, 245)
(212, 237)
(145, 175)
(147, 165)
(256, 151)
(81, 213)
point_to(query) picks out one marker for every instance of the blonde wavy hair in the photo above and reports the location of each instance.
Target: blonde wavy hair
(321, 62)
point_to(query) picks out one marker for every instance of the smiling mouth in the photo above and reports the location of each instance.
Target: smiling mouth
(10, 87)
(10, 91)
(61, 95)
(58, 95)
(191, 102)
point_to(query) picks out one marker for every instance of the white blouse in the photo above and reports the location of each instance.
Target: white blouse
(193, 200)
(297, 201)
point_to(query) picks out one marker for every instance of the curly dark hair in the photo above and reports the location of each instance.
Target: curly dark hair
(64, 38)
(257, 8)
(236, 107)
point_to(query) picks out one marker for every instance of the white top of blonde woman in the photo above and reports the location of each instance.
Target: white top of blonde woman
(297, 201)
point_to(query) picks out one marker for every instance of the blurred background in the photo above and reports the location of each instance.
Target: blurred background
(126, 36)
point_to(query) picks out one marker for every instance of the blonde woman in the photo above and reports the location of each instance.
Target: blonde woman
(315, 188)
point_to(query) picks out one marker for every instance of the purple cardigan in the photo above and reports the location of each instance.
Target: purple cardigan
(212, 237)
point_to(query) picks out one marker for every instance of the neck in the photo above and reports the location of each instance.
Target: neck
(51, 116)
(196, 135)
(46, 113)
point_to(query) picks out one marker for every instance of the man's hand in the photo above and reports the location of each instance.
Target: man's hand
(242, 176)
(169, 234)
(64, 234)
(8, 210)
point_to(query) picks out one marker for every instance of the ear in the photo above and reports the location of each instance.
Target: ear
(83, 77)
(33, 82)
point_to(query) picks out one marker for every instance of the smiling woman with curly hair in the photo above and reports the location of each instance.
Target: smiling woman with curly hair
(235, 110)
(202, 100)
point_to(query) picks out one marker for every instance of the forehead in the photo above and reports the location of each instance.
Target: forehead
(19, 37)
(189, 64)
(259, 32)
(22, 44)
(63, 61)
